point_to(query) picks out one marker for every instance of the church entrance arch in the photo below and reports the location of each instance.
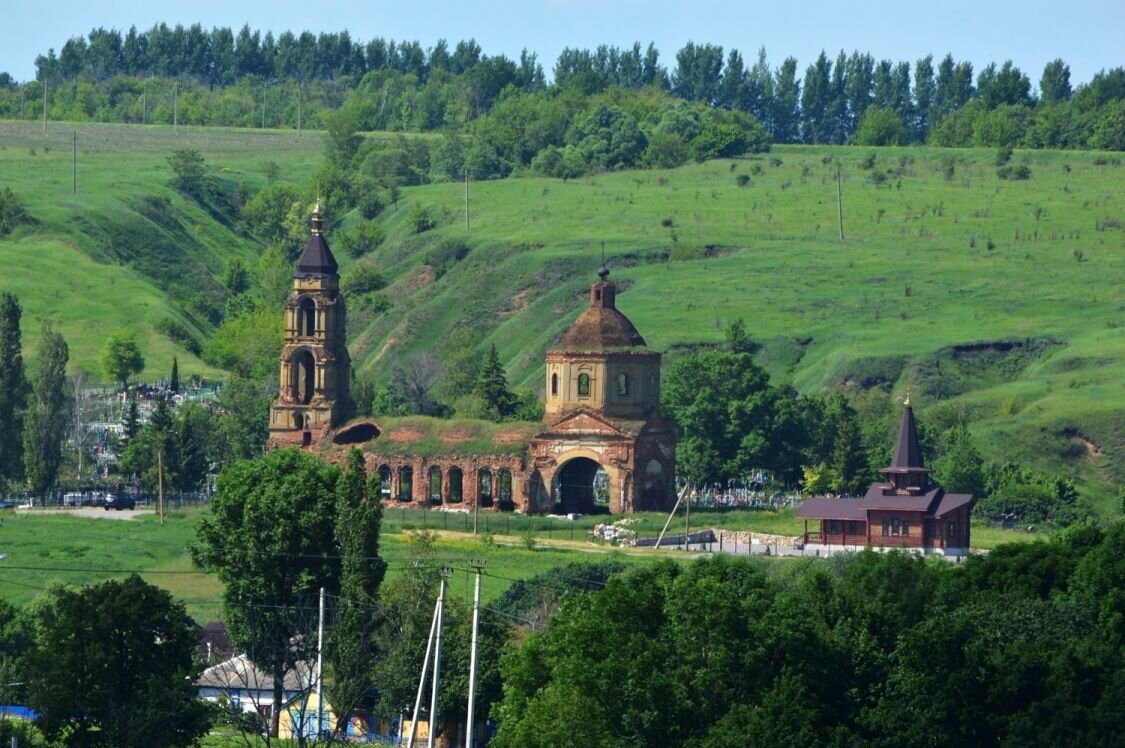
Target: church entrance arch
(581, 485)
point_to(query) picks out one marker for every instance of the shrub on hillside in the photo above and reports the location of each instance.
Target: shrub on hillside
(420, 219)
(881, 126)
(179, 334)
(362, 277)
(445, 254)
(365, 237)
(1014, 172)
(12, 213)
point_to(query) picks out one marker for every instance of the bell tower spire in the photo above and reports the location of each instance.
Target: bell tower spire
(315, 366)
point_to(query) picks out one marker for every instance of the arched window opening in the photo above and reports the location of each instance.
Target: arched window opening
(506, 488)
(406, 484)
(306, 317)
(303, 377)
(555, 385)
(484, 487)
(622, 384)
(455, 488)
(385, 481)
(583, 385)
(435, 484)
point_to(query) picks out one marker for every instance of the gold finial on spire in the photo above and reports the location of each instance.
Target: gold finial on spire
(317, 216)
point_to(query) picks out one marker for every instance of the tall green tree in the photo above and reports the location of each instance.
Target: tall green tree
(726, 416)
(698, 73)
(113, 665)
(816, 96)
(270, 539)
(1054, 84)
(960, 468)
(187, 166)
(924, 88)
(48, 413)
(132, 417)
(785, 115)
(849, 459)
(121, 357)
(492, 386)
(13, 388)
(174, 380)
(352, 645)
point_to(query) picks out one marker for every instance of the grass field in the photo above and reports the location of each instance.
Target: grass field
(995, 302)
(46, 547)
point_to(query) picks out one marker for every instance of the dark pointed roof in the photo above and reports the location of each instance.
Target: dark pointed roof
(317, 258)
(908, 455)
(601, 326)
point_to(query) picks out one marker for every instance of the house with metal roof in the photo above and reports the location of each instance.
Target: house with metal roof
(905, 511)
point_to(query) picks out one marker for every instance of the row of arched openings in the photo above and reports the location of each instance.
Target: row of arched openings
(448, 487)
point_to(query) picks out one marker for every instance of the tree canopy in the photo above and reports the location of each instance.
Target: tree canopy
(113, 665)
(121, 357)
(270, 539)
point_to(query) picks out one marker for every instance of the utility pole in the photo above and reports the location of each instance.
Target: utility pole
(160, 482)
(300, 95)
(477, 567)
(422, 680)
(263, 107)
(175, 104)
(466, 199)
(432, 732)
(144, 103)
(839, 201)
(74, 164)
(687, 523)
(44, 101)
(320, 668)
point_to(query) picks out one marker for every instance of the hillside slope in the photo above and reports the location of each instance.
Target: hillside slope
(993, 301)
(998, 302)
(128, 250)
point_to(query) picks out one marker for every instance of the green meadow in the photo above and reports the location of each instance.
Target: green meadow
(47, 547)
(997, 303)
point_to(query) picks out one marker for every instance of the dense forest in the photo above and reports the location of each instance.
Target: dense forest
(217, 77)
(1018, 648)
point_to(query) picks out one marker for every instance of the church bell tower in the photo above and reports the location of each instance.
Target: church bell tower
(315, 367)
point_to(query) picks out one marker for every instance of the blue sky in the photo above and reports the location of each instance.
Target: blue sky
(1087, 34)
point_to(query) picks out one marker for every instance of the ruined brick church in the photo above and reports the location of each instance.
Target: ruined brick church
(602, 439)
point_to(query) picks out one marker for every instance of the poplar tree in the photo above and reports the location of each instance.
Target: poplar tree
(174, 382)
(48, 413)
(13, 389)
(359, 518)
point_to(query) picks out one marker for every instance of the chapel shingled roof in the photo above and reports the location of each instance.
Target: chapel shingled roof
(601, 326)
(908, 455)
(317, 258)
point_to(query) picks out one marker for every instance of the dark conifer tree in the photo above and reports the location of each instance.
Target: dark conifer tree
(13, 389)
(174, 382)
(492, 386)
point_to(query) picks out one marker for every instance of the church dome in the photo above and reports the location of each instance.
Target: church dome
(601, 326)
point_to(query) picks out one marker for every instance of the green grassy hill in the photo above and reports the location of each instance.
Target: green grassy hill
(1000, 302)
(128, 250)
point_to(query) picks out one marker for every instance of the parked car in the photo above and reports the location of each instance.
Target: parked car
(119, 501)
